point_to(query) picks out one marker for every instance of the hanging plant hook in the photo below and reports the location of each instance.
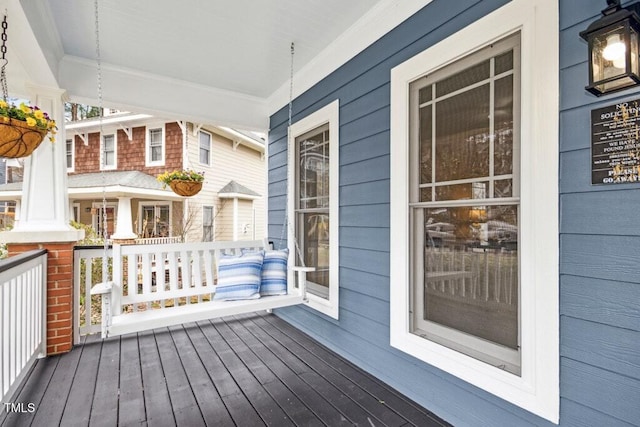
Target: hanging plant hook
(5, 61)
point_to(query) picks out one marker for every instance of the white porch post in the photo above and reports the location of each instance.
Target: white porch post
(124, 226)
(45, 201)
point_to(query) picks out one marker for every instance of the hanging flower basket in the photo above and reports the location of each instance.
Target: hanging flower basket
(185, 188)
(185, 183)
(17, 139)
(22, 129)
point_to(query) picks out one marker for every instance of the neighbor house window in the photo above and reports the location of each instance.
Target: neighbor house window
(155, 220)
(205, 147)
(108, 152)
(207, 223)
(314, 203)
(104, 215)
(69, 153)
(473, 212)
(155, 146)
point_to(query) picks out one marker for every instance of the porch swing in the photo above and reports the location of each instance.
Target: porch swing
(154, 286)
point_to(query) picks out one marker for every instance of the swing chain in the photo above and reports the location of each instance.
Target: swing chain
(105, 222)
(3, 49)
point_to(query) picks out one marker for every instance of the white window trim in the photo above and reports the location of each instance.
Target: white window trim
(328, 114)
(71, 137)
(210, 147)
(537, 389)
(147, 144)
(115, 150)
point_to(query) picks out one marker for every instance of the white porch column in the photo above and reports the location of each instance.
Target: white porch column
(124, 226)
(44, 210)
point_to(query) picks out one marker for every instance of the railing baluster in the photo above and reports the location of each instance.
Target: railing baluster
(21, 314)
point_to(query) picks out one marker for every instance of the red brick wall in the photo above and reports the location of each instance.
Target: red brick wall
(131, 154)
(59, 292)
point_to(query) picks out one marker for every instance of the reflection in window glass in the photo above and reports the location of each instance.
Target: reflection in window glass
(465, 204)
(312, 213)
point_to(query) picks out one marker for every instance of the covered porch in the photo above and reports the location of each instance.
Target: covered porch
(245, 370)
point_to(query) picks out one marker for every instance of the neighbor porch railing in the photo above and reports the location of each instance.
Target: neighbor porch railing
(158, 240)
(23, 319)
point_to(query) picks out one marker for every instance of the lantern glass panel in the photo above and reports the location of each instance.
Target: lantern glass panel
(614, 57)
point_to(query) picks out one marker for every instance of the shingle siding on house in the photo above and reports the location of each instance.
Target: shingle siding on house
(131, 154)
(600, 239)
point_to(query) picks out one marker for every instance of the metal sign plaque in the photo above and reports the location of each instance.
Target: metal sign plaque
(615, 143)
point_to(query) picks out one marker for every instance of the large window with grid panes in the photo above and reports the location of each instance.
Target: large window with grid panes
(313, 207)
(464, 202)
(474, 206)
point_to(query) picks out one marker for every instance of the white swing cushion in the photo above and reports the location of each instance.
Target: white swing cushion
(274, 273)
(239, 276)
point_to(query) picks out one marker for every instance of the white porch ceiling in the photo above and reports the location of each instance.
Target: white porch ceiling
(223, 62)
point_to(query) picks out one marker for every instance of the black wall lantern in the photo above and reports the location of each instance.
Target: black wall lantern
(613, 49)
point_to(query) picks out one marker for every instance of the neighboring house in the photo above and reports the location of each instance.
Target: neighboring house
(122, 166)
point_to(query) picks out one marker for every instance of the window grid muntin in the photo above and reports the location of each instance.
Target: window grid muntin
(416, 273)
(433, 104)
(315, 288)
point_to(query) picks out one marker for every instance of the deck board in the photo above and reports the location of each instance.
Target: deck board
(32, 391)
(131, 408)
(104, 409)
(78, 408)
(156, 395)
(246, 370)
(213, 409)
(51, 407)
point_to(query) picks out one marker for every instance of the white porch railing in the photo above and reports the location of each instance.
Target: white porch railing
(87, 271)
(23, 319)
(158, 240)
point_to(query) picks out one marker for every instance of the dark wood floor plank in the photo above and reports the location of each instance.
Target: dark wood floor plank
(222, 380)
(104, 409)
(268, 409)
(310, 398)
(260, 409)
(299, 413)
(156, 394)
(33, 389)
(351, 410)
(131, 409)
(245, 370)
(289, 402)
(77, 411)
(402, 405)
(51, 407)
(185, 407)
(234, 399)
(211, 405)
(378, 412)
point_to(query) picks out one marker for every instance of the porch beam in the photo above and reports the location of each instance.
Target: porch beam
(140, 91)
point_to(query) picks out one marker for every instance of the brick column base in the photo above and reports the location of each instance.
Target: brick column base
(59, 292)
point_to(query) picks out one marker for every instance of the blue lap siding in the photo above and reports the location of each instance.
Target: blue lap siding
(599, 242)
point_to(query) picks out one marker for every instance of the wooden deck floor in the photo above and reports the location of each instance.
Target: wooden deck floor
(248, 370)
